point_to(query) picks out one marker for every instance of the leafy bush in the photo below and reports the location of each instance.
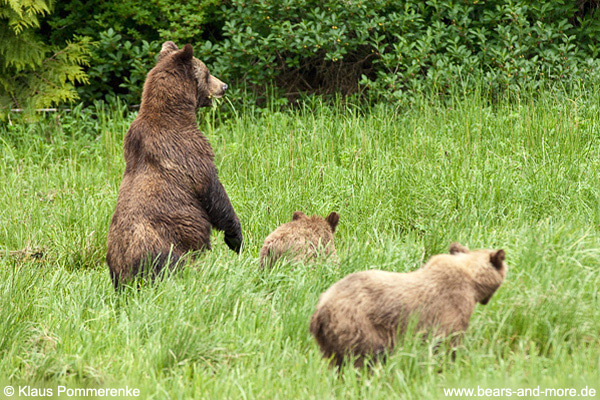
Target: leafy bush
(33, 73)
(383, 48)
(398, 48)
(118, 68)
(301, 46)
(504, 44)
(127, 36)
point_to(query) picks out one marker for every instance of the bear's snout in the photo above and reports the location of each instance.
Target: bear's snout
(216, 87)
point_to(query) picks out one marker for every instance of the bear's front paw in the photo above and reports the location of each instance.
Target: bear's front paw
(234, 242)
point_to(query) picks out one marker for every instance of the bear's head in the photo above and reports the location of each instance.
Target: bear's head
(486, 267)
(179, 81)
(330, 223)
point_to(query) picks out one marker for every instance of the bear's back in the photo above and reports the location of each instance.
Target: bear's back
(301, 239)
(167, 169)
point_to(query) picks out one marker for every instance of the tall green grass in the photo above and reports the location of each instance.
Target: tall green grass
(522, 175)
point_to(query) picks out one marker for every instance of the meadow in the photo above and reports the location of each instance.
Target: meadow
(522, 174)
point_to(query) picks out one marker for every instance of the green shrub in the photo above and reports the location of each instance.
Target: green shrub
(394, 50)
(399, 48)
(504, 44)
(127, 36)
(118, 68)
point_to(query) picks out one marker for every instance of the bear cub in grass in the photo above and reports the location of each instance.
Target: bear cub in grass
(170, 196)
(302, 239)
(362, 314)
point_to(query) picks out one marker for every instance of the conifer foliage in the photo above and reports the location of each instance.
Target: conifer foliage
(34, 74)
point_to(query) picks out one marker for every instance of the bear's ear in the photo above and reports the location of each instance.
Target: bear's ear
(333, 219)
(458, 248)
(187, 53)
(298, 215)
(167, 48)
(497, 258)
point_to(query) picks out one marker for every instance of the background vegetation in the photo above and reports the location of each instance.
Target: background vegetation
(34, 72)
(378, 49)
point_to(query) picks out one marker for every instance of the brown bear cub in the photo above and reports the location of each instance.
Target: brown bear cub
(362, 314)
(170, 196)
(302, 239)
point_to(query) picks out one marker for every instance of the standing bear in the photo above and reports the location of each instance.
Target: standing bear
(170, 196)
(362, 314)
(302, 239)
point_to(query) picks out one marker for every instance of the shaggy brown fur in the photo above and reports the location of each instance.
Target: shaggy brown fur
(170, 196)
(302, 239)
(362, 314)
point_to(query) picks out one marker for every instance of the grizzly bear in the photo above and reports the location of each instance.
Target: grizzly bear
(302, 239)
(361, 315)
(170, 196)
